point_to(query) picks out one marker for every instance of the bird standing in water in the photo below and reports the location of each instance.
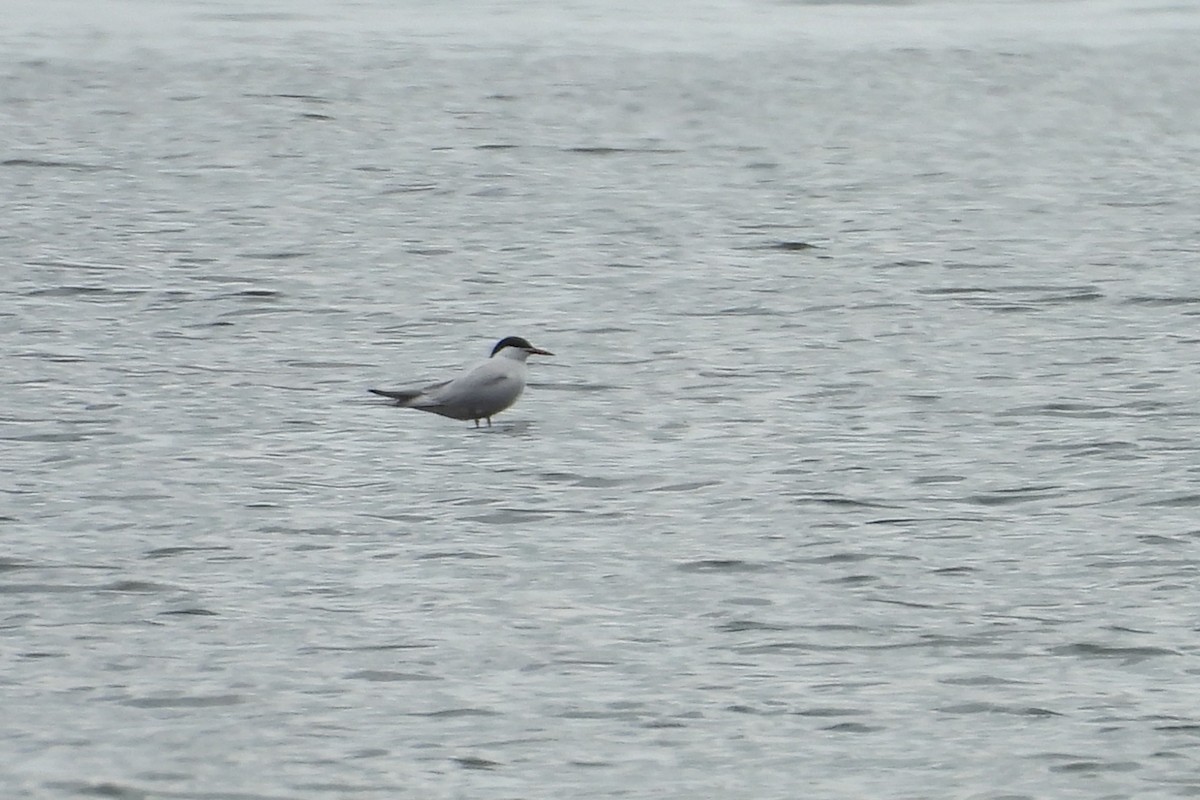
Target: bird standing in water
(480, 392)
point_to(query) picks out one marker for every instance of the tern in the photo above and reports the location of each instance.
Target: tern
(479, 393)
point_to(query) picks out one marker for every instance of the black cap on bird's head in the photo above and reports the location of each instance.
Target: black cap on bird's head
(520, 344)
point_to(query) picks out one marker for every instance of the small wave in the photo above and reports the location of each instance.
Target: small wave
(388, 676)
(744, 625)
(999, 708)
(721, 565)
(468, 555)
(690, 486)
(190, 612)
(1019, 494)
(1148, 300)
(455, 713)
(39, 163)
(1175, 501)
(185, 701)
(837, 500)
(831, 711)
(612, 151)
(1093, 650)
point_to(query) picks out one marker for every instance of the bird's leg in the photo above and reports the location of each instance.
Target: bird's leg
(477, 422)
(489, 422)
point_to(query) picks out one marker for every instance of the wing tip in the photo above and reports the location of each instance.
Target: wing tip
(398, 396)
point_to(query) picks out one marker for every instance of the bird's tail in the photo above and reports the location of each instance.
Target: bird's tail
(401, 396)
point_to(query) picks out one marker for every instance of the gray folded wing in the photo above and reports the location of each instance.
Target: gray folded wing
(404, 396)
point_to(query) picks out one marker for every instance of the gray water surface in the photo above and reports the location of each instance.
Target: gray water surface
(866, 467)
